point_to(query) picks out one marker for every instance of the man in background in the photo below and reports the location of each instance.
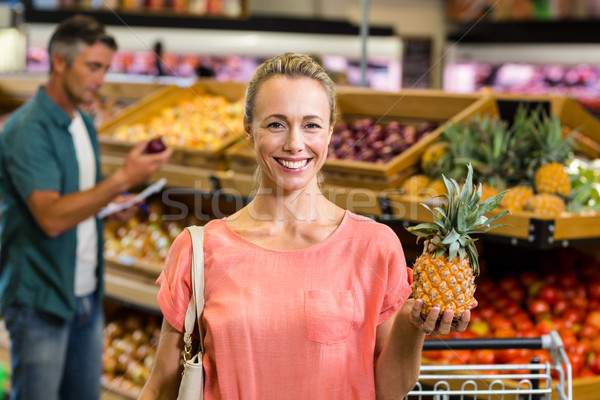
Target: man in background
(51, 265)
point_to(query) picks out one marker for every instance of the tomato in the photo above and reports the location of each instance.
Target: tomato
(577, 362)
(500, 322)
(579, 303)
(573, 315)
(594, 290)
(593, 318)
(484, 356)
(568, 279)
(595, 364)
(512, 309)
(538, 308)
(487, 313)
(507, 356)
(524, 325)
(517, 294)
(560, 307)
(545, 326)
(508, 283)
(552, 278)
(528, 278)
(588, 331)
(549, 294)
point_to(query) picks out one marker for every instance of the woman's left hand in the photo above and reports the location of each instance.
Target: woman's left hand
(432, 325)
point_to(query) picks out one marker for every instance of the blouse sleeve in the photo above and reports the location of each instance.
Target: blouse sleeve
(175, 281)
(399, 283)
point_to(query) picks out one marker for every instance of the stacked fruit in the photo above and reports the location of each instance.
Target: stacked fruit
(534, 303)
(146, 237)
(130, 343)
(367, 140)
(205, 122)
(529, 158)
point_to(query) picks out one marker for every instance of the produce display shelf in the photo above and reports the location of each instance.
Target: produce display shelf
(171, 97)
(523, 228)
(177, 175)
(130, 286)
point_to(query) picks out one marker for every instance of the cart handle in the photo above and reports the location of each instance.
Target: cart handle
(542, 342)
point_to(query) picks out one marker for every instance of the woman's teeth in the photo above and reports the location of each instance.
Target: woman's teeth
(292, 164)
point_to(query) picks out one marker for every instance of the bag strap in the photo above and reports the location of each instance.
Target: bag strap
(196, 305)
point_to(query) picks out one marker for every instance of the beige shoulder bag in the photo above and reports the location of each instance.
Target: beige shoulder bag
(192, 381)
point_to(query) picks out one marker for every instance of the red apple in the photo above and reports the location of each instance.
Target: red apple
(155, 145)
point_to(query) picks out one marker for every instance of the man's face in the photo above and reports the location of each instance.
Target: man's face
(84, 77)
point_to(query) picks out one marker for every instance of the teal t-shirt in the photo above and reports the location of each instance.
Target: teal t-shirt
(37, 152)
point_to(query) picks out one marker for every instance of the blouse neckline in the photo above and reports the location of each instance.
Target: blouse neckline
(315, 246)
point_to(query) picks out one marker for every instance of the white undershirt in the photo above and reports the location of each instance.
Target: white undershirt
(87, 237)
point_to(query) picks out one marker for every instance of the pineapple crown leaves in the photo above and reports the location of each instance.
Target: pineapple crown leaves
(462, 215)
(548, 143)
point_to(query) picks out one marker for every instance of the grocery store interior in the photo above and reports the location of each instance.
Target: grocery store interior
(424, 86)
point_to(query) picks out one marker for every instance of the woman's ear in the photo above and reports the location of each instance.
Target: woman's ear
(249, 136)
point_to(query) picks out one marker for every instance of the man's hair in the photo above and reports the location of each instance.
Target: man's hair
(74, 33)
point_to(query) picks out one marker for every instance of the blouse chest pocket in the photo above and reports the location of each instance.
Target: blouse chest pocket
(329, 315)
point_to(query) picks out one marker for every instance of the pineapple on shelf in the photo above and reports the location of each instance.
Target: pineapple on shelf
(432, 158)
(516, 197)
(547, 166)
(545, 204)
(444, 274)
(415, 184)
(435, 188)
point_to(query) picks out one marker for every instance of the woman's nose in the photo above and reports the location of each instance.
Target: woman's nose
(293, 141)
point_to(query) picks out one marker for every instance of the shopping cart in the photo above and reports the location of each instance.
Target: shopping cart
(532, 381)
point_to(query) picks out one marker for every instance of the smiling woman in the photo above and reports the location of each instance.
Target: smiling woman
(304, 300)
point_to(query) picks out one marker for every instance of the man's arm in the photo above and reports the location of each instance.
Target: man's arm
(56, 213)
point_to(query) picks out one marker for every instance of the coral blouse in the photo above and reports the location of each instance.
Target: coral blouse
(290, 324)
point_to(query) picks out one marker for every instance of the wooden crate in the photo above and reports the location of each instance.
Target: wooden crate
(169, 97)
(405, 105)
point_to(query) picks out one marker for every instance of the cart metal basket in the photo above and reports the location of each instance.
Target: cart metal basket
(506, 382)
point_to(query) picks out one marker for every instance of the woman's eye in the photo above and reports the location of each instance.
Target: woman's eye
(312, 125)
(275, 125)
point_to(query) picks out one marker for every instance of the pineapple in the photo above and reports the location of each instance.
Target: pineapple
(552, 178)
(551, 152)
(546, 204)
(432, 158)
(487, 191)
(435, 188)
(515, 198)
(444, 274)
(415, 184)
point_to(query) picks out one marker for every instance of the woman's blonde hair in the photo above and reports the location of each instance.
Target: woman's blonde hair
(293, 66)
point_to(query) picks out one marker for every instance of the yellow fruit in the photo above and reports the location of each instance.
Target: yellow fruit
(487, 191)
(545, 204)
(432, 155)
(436, 187)
(515, 198)
(415, 184)
(444, 274)
(552, 178)
(448, 285)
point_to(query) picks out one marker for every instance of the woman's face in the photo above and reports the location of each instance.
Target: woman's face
(291, 132)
